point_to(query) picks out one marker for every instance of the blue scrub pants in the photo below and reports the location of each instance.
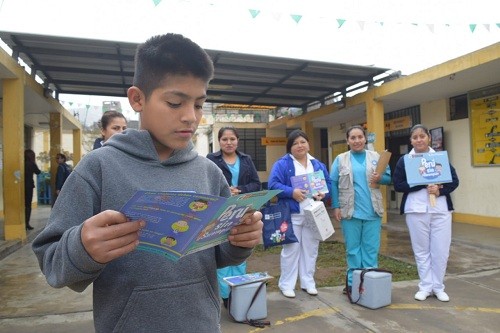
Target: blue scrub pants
(362, 243)
(229, 271)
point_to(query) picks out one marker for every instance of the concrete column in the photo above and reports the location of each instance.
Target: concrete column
(375, 122)
(13, 159)
(55, 146)
(77, 146)
(46, 148)
(273, 153)
(308, 128)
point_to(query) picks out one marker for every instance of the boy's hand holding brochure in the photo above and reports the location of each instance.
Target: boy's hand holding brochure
(109, 235)
(249, 232)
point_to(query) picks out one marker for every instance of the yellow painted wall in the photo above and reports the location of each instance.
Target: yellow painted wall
(470, 198)
(1, 171)
(273, 152)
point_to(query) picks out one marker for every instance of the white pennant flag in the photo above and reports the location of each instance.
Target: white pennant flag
(276, 15)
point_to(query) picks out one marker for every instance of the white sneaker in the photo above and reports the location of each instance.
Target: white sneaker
(311, 291)
(442, 296)
(422, 295)
(288, 293)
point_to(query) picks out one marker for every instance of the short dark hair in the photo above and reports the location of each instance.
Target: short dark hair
(108, 116)
(61, 156)
(424, 128)
(228, 128)
(293, 136)
(348, 132)
(170, 54)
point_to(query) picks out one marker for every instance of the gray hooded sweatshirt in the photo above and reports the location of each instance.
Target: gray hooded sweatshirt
(140, 291)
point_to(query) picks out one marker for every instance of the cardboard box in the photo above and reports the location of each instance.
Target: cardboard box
(317, 218)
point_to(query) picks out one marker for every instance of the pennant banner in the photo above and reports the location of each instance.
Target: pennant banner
(340, 21)
(276, 16)
(254, 12)
(296, 18)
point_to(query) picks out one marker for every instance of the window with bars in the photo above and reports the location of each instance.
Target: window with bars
(459, 107)
(250, 144)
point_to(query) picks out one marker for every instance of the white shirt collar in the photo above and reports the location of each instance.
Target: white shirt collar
(412, 152)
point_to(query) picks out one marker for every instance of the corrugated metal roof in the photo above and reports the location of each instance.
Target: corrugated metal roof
(96, 67)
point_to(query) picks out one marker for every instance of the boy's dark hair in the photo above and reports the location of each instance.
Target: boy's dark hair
(294, 135)
(168, 54)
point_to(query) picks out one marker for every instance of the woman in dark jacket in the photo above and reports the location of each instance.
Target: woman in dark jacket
(30, 169)
(241, 175)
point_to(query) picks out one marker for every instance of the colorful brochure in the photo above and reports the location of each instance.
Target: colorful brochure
(427, 168)
(247, 278)
(313, 183)
(180, 223)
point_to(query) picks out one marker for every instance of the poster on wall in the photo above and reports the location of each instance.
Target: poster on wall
(485, 130)
(437, 138)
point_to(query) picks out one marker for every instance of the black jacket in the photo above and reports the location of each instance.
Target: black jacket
(248, 180)
(30, 168)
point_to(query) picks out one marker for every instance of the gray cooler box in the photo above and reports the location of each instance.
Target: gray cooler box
(376, 289)
(241, 297)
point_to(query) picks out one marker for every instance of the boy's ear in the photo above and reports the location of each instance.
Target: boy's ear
(136, 98)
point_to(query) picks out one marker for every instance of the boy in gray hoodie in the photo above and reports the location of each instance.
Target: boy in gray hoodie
(87, 240)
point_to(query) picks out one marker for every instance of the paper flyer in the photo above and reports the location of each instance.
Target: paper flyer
(427, 168)
(179, 223)
(313, 183)
(247, 278)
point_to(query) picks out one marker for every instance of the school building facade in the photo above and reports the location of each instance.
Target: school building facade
(434, 97)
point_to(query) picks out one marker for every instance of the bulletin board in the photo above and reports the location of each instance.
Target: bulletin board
(484, 115)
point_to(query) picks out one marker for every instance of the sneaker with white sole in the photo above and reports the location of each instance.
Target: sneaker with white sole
(311, 291)
(422, 295)
(442, 296)
(288, 293)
